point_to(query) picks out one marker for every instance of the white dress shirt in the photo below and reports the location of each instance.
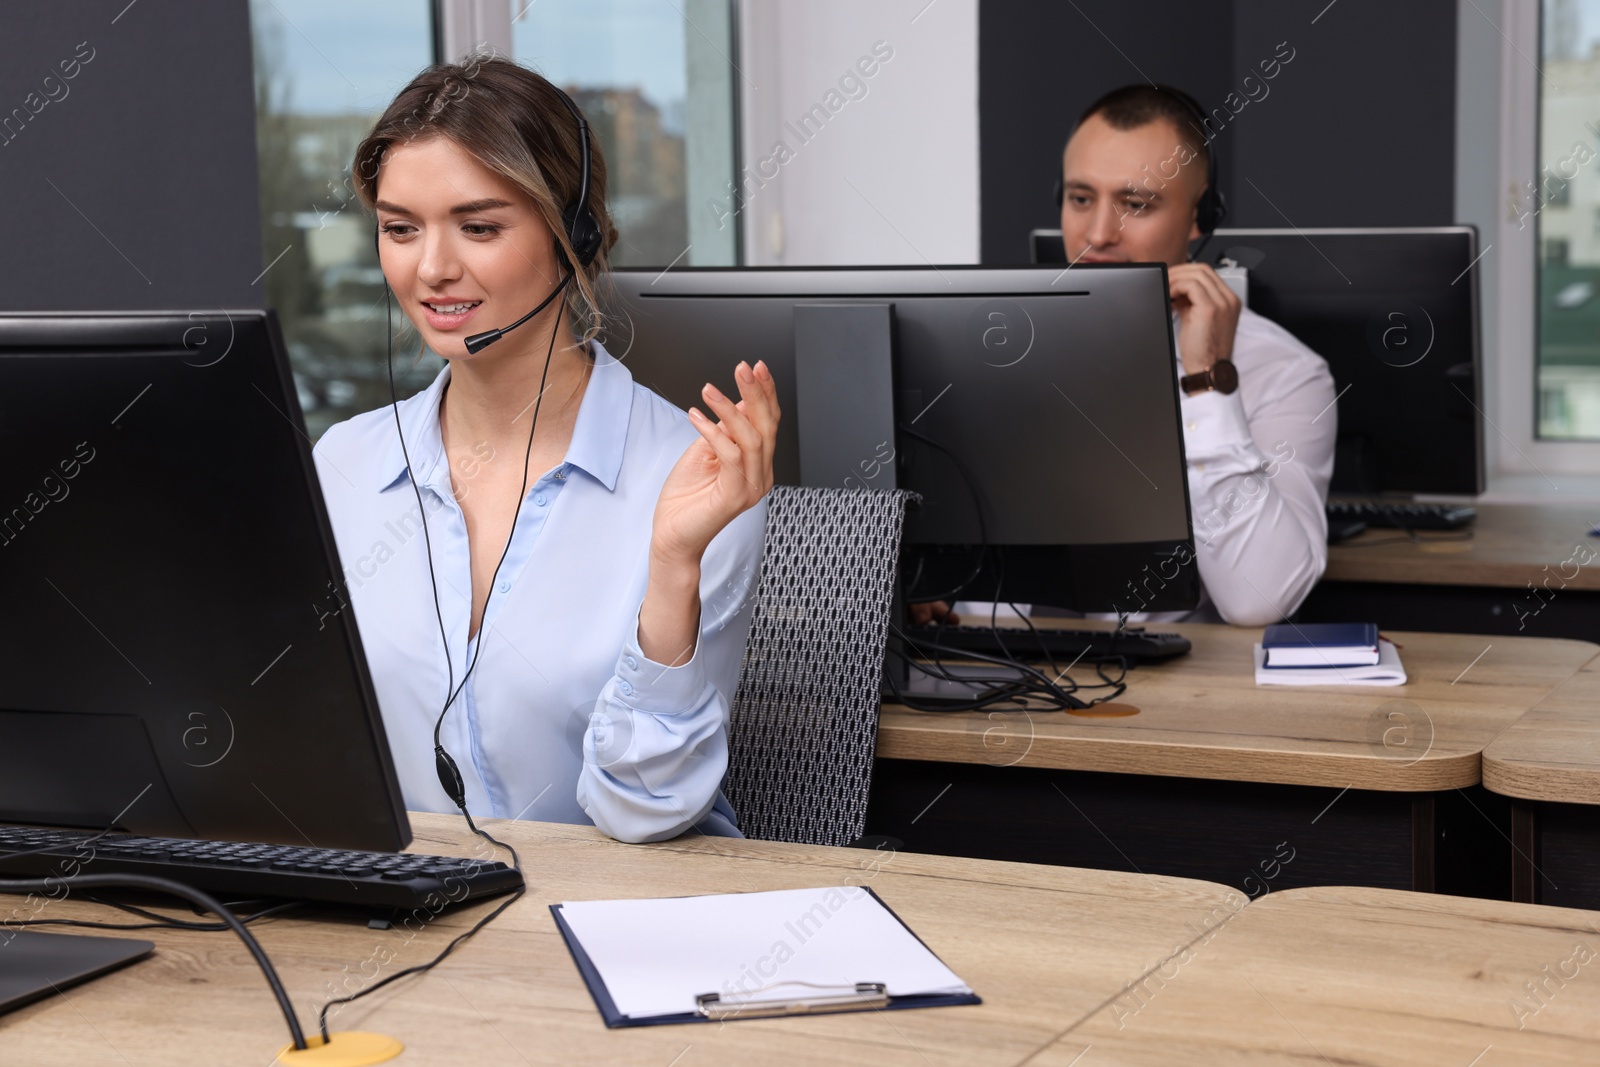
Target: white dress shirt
(564, 718)
(1260, 459)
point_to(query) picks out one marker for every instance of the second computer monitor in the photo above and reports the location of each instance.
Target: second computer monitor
(1034, 412)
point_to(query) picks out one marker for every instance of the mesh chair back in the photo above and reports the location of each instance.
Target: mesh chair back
(804, 721)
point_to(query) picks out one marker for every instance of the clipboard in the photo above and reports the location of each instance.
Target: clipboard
(865, 996)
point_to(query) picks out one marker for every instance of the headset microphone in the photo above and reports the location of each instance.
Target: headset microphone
(479, 341)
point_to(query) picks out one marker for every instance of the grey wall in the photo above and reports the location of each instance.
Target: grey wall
(136, 186)
(1357, 129)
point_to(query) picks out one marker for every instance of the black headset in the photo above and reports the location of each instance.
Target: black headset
(586, 237)
(1213, 206)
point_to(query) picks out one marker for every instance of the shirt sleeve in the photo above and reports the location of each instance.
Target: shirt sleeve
(656, 747)
(1258, 483)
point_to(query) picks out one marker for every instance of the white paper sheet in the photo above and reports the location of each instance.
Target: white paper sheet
(1387, 671)
(655, 956)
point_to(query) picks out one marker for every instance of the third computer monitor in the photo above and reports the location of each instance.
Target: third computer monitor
(1394, 311)
(1035, 412)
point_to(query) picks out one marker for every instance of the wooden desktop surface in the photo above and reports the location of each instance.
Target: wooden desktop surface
(1043, 946)
(1552, 752)
(1376, 977)
(1202, 716)
(1511, 545)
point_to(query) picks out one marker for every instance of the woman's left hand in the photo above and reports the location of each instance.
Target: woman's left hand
(724, 473)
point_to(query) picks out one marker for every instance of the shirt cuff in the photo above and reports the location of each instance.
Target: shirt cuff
(1214, 422)
(645, 685)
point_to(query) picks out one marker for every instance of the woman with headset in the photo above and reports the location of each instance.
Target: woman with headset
(550, 565)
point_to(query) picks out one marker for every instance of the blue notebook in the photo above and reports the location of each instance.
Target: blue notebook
(1321, 644)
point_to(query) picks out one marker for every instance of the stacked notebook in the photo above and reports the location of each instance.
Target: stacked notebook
(1327, 653)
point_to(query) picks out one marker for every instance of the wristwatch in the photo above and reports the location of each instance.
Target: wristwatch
(1221, 376)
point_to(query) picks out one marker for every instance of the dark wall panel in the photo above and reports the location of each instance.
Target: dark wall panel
(1040, 65)
(1357, 129)
(133, 183)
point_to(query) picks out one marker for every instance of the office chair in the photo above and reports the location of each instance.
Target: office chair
(804, 722)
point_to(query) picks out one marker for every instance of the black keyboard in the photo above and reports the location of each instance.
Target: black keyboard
(1132, 643)
(235, 870)
(1401, 515)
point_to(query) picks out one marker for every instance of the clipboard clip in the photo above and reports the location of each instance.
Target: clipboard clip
(864, 995)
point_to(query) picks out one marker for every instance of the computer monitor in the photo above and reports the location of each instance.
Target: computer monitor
(1394, 311)
(1034, 413)
(179, 656)
(1395, 314)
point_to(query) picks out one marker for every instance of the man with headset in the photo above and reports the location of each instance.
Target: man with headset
(1138, 184)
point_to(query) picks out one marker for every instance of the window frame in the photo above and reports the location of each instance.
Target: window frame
(1511, 322)
(463, 25)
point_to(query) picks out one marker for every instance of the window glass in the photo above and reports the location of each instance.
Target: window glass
(1564, 202)
(323, 74)
(667, 136)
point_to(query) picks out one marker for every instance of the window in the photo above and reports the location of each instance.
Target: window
(1564, 203)
(667, 137)
(323, 74)
(654, 77)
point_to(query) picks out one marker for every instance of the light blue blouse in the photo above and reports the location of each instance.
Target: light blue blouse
(564, 719)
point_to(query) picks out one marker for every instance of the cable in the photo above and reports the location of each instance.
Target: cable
(445, 765)
(1030, 682)
(517, 894)
(977, 510)
(449, 773)
(1004, 691)
(194, 896)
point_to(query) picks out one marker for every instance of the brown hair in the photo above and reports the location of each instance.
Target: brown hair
(1133, 106)
(515, 123)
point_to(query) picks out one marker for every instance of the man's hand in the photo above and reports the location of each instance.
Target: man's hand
(1208, 315)
(934, 611)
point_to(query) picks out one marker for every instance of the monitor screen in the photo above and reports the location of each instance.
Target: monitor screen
(1034, 412)
(1395, 314)
(179, 659)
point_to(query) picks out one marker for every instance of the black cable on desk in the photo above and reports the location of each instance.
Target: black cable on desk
(1029, 683)
(177, 889)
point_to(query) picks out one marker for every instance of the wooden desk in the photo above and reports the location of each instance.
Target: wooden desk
(1043, 946)
(1549, 761)
(1475, 586)
(1194, 783)
(1363, 976)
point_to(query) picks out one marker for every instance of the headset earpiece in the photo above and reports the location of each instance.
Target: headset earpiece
(583, 229)
(583, 232)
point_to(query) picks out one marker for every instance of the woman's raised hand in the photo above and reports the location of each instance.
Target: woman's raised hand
(724, 473)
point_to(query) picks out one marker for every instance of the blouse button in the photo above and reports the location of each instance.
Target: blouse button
(539, 500)
(627, 690)
(632, 663)
(505, 587)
